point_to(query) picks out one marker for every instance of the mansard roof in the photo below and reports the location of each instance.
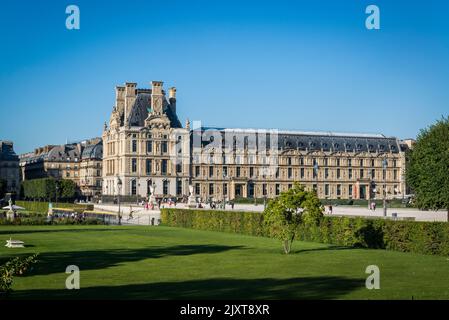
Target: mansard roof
(142, 106)
(93, 151)
(7, 151)
(319, 141)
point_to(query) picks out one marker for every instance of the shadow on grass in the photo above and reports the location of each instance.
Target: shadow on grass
(217, 288)
(56, 262)
(329, 248)
(50, 229)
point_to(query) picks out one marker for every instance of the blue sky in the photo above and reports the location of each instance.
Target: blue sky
(309, 65)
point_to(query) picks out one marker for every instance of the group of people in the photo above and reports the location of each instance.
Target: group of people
(372, 206)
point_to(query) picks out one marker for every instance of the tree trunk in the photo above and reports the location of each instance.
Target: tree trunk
(286, 247)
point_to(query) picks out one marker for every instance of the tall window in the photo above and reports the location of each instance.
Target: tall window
(264, 189)
(350, 191)
(302, 173)
(350, 173)
(165, 187)
(164, 166)
(179, 167)
(178, 186)
(290, 173)
(225, 171)
(278, 189)
(326, 190)
(361, 173)
(338, 190)
(197, 171)
(238, 172)
(349, 162)
(134, 146)
(133, 165)
(164, 147)
(211, 188)
(251, 172)
(133, 187)
(197, 188)
(326, 173)
(211, 171)
(149, 146)
(338, 173)
(148, 166)
(225, 188)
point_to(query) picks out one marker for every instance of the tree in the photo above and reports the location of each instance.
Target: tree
(67, 189)
(284, 213)
(428, 167)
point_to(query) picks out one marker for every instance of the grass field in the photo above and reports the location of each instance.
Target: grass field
(171, 263)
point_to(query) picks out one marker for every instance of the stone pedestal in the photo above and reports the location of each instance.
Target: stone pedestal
(10, 215)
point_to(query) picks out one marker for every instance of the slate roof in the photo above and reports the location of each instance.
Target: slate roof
(7, 151)
(317, 141)
(142, 106)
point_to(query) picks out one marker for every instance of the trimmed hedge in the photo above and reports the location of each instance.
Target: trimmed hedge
(406, 236)
(41, 206)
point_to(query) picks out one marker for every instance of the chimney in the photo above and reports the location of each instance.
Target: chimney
(157, 97)
(130, 97)
(172, 99)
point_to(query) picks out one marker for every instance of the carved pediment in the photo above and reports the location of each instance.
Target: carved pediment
(156, 121)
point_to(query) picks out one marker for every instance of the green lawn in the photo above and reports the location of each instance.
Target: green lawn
(163, 263)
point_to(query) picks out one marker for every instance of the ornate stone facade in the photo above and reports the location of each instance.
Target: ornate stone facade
(80, 162)
(145, 144)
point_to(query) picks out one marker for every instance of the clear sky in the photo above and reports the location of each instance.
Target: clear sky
(308, 65)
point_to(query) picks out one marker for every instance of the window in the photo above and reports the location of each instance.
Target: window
(326, 173)
(197, 171)
(289, 161)
(251, 172)
(134, 146)
(326, 190)
(361, 173)
(395, 174)
(225, 171)
(225, 188)
(302, 173)
(361, 162)
(338, 190)
(350, 173)
(290, 174)
(338, 162)
(211, 188)
(164, 146)
(165, 187)
(338, 173)
(349, 162)
(278, 188)
(211, 171)
(164, 166)
(238, 172)
(373, 174)
(178, 186)
(148, 166)
(179, 167)
(350, 190)
(133, 187)
(394, 163)
(301, 161)
(133, 165)
(372, 163)
(149, 146)
(197, 188)
(277, 172)
(264, 189)
(326, 161)
(290, 186)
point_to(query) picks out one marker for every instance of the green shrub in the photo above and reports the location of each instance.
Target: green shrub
(17, 266)
(42, 206)
(406, 236)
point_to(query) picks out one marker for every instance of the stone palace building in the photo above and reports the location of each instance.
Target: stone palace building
(145, 144)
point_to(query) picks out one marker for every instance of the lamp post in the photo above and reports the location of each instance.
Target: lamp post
(384, 166)
(57, 191)
(119, 186)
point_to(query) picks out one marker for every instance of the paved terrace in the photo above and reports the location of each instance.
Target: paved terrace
(144, 217)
